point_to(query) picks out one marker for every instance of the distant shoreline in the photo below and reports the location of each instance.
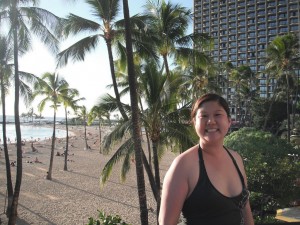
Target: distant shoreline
(34, 132)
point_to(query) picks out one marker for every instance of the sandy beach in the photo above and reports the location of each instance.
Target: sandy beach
(72, 196)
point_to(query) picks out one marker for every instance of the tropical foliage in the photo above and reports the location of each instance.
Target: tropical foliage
(272, 167)
(105, 219)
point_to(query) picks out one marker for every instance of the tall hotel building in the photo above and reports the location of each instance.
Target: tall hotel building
(242, 29)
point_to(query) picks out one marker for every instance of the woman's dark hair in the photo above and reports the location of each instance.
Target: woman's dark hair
(209, 98)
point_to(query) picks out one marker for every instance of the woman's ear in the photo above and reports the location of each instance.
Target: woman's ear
(229, 120)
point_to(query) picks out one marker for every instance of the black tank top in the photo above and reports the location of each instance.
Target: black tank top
(207, 206)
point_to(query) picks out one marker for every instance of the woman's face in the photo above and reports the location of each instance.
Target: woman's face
(211, 122)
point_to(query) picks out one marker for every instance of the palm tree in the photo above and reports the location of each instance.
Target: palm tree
(17, 15)
(241, 77)
(107, 12)
(283, 57)
(53, 88)
(69, 101)
(167, 24)
(6, 55)
(82, 114)
(136, 129)
(99, 113)
(6, 77)
(165, 123)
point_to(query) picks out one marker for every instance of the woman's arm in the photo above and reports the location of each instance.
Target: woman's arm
(174, 192)
(247, 214)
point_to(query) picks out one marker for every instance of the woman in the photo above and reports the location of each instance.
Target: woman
(207, 182)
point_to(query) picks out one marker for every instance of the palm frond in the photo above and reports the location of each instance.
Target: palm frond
(126, 165)
(74, 24)
(105, 10)
(122, 151)
(116, 135)
(78, 50)
(26, 93)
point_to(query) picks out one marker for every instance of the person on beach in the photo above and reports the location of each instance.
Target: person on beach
(207, 182)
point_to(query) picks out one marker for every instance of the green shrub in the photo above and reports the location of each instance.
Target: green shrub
(106, 220)
(272, 167)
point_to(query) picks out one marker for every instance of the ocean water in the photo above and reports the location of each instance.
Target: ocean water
(31, 132)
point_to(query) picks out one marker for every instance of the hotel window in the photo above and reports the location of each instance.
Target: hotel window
(251, 27)
(282, 9)
(282, 15)
(232, 18)
(242, 17)
(242, 49)
(294, 28)
(250, 21)
(273, 24)
(251, 34)
(262, 39)
(261, 13)
(262, 46)
(251, 15)
(283, 30)
(242, 55)
(272, 17)
(293, 20)
(232, 37)
(271, 11)
(251, 7)
(242, 36)
(224, 32)
(261, 67)
(283, 22)
(272, 3)
(252, 48)
(233, 50)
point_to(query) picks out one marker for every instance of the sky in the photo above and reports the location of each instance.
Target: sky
(90, 76)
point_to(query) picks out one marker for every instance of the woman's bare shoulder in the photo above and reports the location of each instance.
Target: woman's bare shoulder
(235, 155)
(185, 159)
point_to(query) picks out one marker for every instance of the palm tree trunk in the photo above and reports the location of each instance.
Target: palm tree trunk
(166, 65)
(135, 120)
(150, 175)
(13, 213)
(270, 108)
(49, 175)
(113, 77)
(85, 138)
(10, 191)
(156, 171)
(288, 107)
(147, 138)
(100, 134)
(67, 142)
